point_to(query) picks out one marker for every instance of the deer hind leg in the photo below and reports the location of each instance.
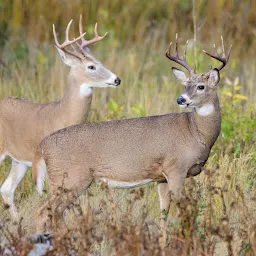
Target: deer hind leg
(43, 216)
(8, 188)
(63, 193)
(2, 153)
(2, 157)
(50, 217)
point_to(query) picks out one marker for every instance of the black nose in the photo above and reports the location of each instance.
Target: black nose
(181, 100)
(117, 81)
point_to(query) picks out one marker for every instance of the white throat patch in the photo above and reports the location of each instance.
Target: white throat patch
(205, 110)
(85, 90)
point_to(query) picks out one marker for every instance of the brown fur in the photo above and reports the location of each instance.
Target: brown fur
(24, 124)
(165, 148)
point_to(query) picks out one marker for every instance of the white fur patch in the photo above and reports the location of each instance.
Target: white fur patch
(41, 175)
(123, 184)
(111, 80)
(180, 75)
(85, 90)
(7, 185)
(205, 110)
(17, 173)
(2, 158)
(29, 164)
(40, 248)
(186, 97)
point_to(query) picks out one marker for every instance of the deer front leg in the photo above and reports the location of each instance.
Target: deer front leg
(164, 198)
(175, 182)
(8, 188)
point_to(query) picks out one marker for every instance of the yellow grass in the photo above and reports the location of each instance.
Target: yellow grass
(134, 49)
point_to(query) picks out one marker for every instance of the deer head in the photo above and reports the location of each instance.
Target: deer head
(85, 69)
(199, 89)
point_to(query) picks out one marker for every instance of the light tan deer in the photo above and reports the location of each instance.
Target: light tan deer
(130, 153)
(24, 124)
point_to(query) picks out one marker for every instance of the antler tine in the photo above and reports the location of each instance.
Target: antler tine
(229, 51)
(67, 30)
(168, 50)
(55, 36)
(95, 39)
(176, 46)
(81, 29)
(80, 25)
(67, 42)
(96, 30)
(224, 59)
(215, 49)
(176, 58)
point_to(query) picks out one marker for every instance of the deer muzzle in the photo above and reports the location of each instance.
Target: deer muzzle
(181, 100)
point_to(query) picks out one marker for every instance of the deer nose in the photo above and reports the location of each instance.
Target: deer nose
(181, 100)
(117, 81)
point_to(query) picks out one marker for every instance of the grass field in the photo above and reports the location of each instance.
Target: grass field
(219, 217)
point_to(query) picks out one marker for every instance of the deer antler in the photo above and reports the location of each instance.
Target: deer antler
(64, 46)
(86, 43)
(224, 59)
(176, 58)
(67, 42)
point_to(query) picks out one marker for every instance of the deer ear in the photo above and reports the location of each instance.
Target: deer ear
(180, 75)
(68, 59)
(214, 77)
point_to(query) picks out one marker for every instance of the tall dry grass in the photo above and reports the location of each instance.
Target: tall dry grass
(223, 196)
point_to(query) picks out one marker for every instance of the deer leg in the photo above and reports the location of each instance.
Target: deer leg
(59, 203)
(2, 151)
(51, 215)
(176, 186)
(8, 188)
(2, 157)
(164, 198)
(43, 216)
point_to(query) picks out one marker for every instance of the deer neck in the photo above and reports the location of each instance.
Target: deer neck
(75, 104)
(206, 122)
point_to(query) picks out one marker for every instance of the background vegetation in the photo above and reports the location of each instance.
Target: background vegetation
(139, 33)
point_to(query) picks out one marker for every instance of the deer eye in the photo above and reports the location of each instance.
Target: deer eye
(200, 87)
(92, 67)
